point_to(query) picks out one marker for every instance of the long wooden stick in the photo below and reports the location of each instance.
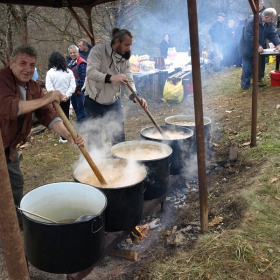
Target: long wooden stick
(36, 215)
(146, 110)
(74, 134)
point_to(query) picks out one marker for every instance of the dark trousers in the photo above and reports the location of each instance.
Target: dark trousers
(110, 117)
(78, 106)
(65, 108)
(247, 69)
(262, 61)
(16, 179)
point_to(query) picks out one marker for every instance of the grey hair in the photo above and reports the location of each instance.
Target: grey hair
(72, 47)
(24, 49)
(270, 12)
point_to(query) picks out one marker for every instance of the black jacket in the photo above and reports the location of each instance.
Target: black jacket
(266, 32)
(217, 31)
(164, 48)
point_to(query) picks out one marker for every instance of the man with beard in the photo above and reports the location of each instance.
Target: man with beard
(107, 68)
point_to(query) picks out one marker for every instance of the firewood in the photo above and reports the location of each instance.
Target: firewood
(126, 254)
(153, 224)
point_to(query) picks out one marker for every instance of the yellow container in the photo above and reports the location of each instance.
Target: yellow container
(271, 58)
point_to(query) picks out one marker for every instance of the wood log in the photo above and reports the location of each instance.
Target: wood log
(125, 254)
(9, 230)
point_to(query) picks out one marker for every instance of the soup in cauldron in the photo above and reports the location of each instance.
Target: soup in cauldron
(117, 174)
(171, 135)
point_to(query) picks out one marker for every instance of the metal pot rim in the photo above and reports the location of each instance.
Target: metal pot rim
(98, 215)
(185, 117)
(144, 142)
(168, 128)
(116, 188)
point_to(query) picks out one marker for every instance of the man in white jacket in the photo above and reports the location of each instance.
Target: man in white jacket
(107, 68)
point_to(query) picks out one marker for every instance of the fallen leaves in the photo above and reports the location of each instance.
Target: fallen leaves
(246, 144)
(215, 221)
(274, 180)
(215, 144)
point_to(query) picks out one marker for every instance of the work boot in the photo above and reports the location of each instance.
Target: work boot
(261, 84)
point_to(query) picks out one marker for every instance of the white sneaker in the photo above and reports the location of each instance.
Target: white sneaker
(61, 140)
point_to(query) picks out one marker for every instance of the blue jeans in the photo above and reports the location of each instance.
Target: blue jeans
(247, 70)
(78, 106)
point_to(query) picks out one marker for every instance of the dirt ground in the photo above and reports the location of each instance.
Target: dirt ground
(229, 109)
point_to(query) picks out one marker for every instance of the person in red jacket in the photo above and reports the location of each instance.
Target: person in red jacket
(79, 67)
(20, 97)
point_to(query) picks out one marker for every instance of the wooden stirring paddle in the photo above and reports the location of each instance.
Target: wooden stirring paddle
(147, 112)
(74, 134)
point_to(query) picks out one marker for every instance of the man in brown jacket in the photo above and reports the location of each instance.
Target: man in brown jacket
(20, 96)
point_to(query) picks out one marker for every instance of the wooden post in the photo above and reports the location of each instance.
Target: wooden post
(9, 228)
(199, 120)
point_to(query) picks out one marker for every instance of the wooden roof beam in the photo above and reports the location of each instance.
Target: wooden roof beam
(88, 29)
(253, 6)
(57, 3)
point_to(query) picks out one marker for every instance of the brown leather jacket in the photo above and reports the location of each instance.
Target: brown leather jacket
(14, 128)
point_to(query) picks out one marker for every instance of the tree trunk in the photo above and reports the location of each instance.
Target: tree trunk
(20, 15)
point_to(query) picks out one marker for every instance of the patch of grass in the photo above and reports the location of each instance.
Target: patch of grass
(251, 251)
(46, 160)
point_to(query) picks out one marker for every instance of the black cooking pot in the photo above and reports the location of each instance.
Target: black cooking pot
(181, 146)
(158, 165)
(125, 203)
(67, 246)
(188, 121)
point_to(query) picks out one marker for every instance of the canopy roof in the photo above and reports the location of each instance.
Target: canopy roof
(58, 3)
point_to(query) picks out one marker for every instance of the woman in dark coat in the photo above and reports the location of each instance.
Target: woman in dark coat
(164, 45)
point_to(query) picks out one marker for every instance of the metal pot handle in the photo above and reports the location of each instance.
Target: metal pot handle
(144, 190)
(170, 160)
(101, 225)
(143, 183)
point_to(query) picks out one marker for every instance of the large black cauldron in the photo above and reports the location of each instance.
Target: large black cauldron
(125, 203)
(67, 246)
(181, 147)
(158, 165)
(188, 121)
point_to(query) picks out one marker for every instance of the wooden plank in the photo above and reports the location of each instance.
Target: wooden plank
(125, 254)
(149, 205)
(185, 75)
